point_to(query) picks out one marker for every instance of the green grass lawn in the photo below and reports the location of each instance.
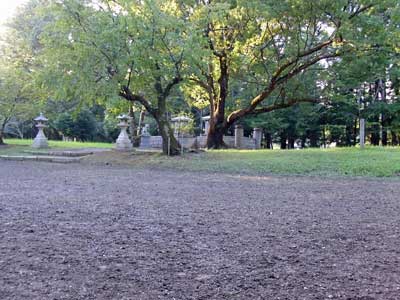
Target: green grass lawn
(60, 144)
(369, 162)
(18, 146)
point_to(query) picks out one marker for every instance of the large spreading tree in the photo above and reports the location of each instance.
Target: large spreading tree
(257, 48)
(135, 50)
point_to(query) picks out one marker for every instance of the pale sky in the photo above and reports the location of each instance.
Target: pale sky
(7, 9)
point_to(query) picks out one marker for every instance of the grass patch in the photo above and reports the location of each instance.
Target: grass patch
(369, 162)
(12, 150)
(18, 146)
(59, 144)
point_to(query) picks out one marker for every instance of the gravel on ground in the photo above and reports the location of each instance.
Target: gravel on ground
(103, 232)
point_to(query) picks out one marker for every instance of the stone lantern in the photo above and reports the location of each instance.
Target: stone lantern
(123, 141)
(40, 140)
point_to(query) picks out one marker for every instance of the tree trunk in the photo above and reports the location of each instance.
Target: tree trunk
(218, 126)
(349, 135)
(133, 127)
(283, 140)
(291, 142)
(395, 140)
(314, 140)
(139, 128)
(216, 131)
(384, 137)
(268, 139)
(2, 127)
(303, 142)
(375, 139)
(160, 116)
(324, 136)
(170, 144)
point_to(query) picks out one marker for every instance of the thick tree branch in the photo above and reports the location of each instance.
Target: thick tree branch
(303, 54)
(304, 66)
(360, 10)
(234, 116)
(282, 105)
(199, 82)
(127, 94)
(176, 80)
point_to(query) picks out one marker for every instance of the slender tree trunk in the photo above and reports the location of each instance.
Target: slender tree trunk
(170, 144)
(133, 127)
(384, 137)
(349, 135)
(291, 142)
(268, 139)
(2, 126)
(395, 140)
(375, 135)
(314, 140)
(140, 125)
(303, 142)
(283, 140)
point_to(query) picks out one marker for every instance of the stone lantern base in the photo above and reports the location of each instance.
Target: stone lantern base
(40, 143)
(40, 140)
(123, 142)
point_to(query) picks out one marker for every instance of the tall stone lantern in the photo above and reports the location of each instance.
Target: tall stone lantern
(40, 140)
(123, 142)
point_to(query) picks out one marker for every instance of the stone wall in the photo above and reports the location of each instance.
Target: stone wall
(155, 142)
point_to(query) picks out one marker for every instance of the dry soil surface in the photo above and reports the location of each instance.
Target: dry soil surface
(91, 232)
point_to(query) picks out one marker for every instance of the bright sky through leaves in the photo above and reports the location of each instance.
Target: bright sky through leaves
(7, 10)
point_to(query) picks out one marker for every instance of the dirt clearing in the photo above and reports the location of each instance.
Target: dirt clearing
(97, 232)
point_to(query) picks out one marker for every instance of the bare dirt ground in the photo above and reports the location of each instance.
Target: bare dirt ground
(91, 232)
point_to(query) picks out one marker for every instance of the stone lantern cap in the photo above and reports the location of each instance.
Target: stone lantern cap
(123, 117)
(41, 118)
(181, 119)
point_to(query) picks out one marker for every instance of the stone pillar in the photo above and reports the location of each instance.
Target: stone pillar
(145, 142)
(362, 133)
(40, 140)
(123, 141)
(145, 137)
(257, 136)
(239, 133)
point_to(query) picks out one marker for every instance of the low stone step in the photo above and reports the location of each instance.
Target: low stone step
(63, 153)
(53, 159)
